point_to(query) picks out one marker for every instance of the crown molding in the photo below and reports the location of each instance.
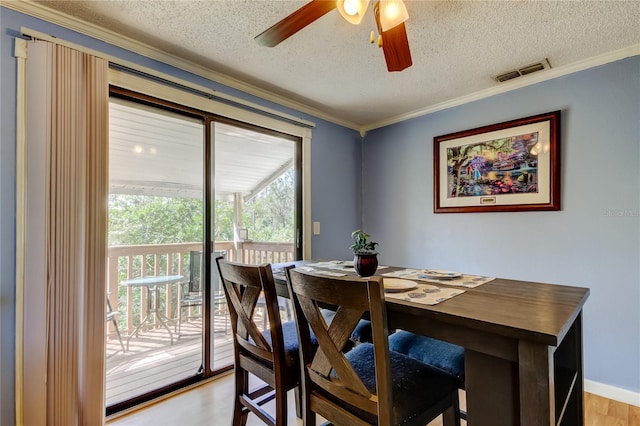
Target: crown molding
(518, 83)
(40, 11)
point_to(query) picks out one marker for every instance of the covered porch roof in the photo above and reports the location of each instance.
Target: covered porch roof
(160, 153)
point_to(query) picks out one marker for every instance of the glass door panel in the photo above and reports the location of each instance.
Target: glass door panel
(155, 250)
(256, 213)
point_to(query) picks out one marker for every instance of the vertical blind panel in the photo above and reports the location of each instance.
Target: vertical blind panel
(95, 242)
(77, 238)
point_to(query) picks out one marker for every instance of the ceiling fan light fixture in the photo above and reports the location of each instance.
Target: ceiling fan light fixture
(392, 13)
(352, 10)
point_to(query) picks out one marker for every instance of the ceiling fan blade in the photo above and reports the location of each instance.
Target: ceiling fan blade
(295, 22)
(396, 48)
(395, 44)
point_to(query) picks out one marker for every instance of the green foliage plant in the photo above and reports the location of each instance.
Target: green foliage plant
(361, 243)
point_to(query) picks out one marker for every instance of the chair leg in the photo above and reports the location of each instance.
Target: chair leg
(224, 311)
(298, 394)
(115, 325)
(281, 407)
(226, 320)
(179, 324)
(308, 416)
(451, 416)
(240, 413)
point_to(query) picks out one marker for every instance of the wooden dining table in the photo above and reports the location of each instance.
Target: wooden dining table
(523, 347)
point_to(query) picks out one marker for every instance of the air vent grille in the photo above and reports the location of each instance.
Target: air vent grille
(510, 75)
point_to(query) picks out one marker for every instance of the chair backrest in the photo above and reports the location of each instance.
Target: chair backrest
(195, 271)
(243, 285)
(327, 374)
(216, 284)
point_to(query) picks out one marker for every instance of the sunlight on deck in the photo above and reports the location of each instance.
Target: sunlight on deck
(152, 361)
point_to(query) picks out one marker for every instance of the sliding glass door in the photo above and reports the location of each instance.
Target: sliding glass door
(181, 177)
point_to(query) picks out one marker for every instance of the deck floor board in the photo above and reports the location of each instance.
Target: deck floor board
(152, 361)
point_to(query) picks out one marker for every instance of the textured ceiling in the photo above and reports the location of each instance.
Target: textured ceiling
(457, 46)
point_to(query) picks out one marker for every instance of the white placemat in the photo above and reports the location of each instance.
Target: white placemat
(307, 268)
(426, 294)
(466, 281)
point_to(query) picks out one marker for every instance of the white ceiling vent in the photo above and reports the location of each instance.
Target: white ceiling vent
(538, 66)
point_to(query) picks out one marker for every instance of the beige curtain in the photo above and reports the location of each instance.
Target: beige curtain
(72, 129)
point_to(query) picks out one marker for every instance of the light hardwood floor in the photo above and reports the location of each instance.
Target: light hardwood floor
(209, 404)
(599, 411)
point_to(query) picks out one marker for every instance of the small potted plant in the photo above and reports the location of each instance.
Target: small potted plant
(365, 256)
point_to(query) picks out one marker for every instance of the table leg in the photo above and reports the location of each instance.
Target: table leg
(159, 314)
(537, 406)
(153, 307)
(142, 322)
(543, 387)
(568, 377)
(491, 385)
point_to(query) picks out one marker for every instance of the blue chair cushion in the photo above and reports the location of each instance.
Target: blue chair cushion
(444, 356)
(415, 386)
(362, 333)
(291, 345)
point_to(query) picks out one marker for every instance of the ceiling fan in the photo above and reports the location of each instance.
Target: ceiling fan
(390, 16)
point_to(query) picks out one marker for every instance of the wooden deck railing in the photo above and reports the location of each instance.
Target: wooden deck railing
(256, 253)
(126, 262)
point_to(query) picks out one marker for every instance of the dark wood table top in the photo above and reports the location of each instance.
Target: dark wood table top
(532, 311)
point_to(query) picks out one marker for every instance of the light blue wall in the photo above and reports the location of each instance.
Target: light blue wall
(593, 242)
(335, 169)
(7, 225)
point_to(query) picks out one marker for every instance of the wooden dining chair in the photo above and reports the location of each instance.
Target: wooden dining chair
(270, 355)
(369, 384)
(361, 334)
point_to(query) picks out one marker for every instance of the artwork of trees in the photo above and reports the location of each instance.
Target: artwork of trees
(499, 166)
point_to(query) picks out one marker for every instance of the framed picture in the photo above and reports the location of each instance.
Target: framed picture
(504, 167)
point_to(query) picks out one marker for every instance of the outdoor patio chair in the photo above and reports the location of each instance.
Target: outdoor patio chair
(113, 317)
(283, 304)
(191, 294)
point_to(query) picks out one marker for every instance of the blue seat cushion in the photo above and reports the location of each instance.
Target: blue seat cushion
(362, 332)
(442, 355)
(415, 386)
(291, 345)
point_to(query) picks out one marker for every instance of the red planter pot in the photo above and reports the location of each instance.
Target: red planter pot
(365, 264)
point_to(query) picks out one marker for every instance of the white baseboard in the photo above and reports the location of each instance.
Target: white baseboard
(612, 392)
